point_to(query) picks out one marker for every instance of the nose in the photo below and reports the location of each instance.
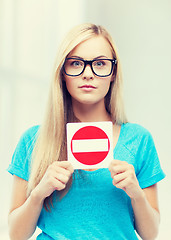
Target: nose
(88, 74)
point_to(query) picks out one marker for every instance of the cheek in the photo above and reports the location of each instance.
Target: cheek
(69, 85)
(67, 81)
(106, 85)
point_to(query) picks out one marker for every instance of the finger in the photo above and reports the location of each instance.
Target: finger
(58, 185)
(122, 184)
(59, 173)
(62, 170)
(65, 164)
(52, 184)
(118, 162)
(62, 178)
(118, 169)
(115, 163)
(125, 180)
(62, 167)
(119, 177)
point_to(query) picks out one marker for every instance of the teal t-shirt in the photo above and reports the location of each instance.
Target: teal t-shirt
(93, 208)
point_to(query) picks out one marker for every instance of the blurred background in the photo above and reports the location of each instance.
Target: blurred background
(30, 34)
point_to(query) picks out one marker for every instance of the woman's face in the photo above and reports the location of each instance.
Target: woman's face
(88, 88)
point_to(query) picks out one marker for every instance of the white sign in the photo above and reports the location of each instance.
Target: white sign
(90, 144)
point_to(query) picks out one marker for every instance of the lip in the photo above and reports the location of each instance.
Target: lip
(87, 87)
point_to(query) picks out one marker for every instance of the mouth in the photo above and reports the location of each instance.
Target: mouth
(87, 87)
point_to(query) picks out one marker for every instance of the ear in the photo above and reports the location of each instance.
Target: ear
(114, 74)
(112, 78)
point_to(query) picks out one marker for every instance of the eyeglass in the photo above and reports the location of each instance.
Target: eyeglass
(100, 67)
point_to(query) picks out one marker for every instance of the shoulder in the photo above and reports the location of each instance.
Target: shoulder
(134, 130)
(31, 132)
(30, 135)
(27, 140)
(22, 156)
(137, 147)
(136, 138)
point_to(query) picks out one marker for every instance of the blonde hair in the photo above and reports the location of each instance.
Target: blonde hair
(51, 143)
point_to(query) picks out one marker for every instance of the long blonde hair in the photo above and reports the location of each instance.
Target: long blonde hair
(51, 143)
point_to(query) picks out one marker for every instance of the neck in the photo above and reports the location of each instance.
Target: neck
(91, 112)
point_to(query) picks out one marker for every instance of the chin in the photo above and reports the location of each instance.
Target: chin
(89, 102)
(92, 100)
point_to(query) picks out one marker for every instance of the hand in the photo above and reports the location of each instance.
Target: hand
(124, 177)
(55, 178)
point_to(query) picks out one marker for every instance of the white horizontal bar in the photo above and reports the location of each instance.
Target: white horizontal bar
(90, 145)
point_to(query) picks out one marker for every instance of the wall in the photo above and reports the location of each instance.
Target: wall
(141, 30)
(30, 34)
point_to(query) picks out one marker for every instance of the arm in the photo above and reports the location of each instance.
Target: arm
(146, 212)
(24, 212)
(144, 202)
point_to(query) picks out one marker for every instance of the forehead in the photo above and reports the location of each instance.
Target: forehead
(92, 48)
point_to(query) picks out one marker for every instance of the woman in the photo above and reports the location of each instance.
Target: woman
(85, 204)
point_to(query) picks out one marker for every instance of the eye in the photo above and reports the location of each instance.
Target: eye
(99, 63)
(76, 63)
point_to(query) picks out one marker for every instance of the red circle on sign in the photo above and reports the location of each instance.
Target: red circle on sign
(90, 158)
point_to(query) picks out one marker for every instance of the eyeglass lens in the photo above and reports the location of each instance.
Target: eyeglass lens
(100, 67)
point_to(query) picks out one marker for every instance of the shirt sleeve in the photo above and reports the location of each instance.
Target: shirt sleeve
(21, 159)
(149, 168)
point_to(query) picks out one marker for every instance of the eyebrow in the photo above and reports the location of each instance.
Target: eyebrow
(101, 56)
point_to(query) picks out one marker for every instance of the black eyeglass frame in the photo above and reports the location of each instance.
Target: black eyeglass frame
(90, 62)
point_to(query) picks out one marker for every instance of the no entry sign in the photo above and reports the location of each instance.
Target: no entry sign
(90, 145)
